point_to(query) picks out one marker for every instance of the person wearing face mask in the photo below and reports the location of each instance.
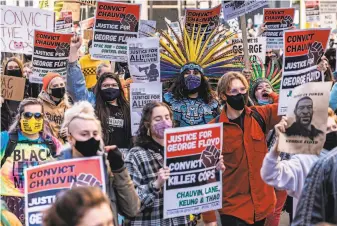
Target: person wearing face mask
(145, 163)
(191, 98)
(27, 143)
(89, 67)
(55, 103)
(85, 139)
(290, 175)
(251, 200)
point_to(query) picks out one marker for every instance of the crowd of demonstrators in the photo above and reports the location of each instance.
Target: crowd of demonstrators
(81, 206)
(7, 218)
(28, 142)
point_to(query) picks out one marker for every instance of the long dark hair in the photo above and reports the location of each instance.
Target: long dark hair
(179, 90)
(16, 60)
(143, 138)
(102, 110)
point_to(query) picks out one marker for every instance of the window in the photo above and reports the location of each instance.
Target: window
(160, 14)
(29, 3)
(163, 2)
(3, 2)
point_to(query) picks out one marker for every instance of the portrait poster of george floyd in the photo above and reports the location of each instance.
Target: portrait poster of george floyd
(307, 117)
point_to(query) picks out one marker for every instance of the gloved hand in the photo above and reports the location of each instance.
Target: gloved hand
(115, 158)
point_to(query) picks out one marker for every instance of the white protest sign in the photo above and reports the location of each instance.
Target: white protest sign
(234, 9)
(256, 48)
(140, 95)
(328, 6)
(17, 26)
(144, 59)
(328, 20)
(146, 28)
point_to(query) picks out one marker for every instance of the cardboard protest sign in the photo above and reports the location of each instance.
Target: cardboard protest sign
(44, 182)
(17, 27)
(51, 52)
(114, 24)
(328, 20)
(204, 19)
(307, 117)
(69, 5)
(144, 59)
(65, 23)
(146, 28)
(12, 88)
(194, 186)
(234, 9)
(276, 21)
(87, 23)
(302, 51)
(256, 49)
(312, 10)
(140, 95)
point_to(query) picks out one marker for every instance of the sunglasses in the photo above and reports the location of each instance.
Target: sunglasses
(29, 115)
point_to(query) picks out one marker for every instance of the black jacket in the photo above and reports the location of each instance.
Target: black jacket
(318, 202)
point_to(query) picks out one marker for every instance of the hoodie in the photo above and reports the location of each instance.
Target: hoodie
(54, 113)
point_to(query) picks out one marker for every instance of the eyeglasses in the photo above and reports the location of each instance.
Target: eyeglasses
(29, 115)
(234, 92)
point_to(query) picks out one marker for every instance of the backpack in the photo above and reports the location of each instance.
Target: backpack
(256, 115)
(13, 141)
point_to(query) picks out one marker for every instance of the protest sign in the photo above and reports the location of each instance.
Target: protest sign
(327, 6)
(312, 11)
(234, 9)
(51, 52)
(44, 182)
(65, 22)
(144, 59)
(17, 27)
(328, 20)
(302, 51)
(307, 119)
(256, 49)
(276, 22)
(204, 19)
(114, 24)
(87, 23)
(140, 95)
(12, 88)
(69, 5)
(147, 28)
(194, 186)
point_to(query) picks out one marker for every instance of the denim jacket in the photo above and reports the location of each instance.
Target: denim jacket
(333, 98)
(76, 84)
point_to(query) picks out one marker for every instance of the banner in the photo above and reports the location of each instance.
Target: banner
(302, 51)
(328, 20)
(307, 119)
(69, 5)
(328, 6)
(140, 95)
(44, 182)
(51, 52)
(312, 11)
(234, 9)
(208, 19)
(146, 28)
(256, 49)
(12, 88)
(114, 24)
(65, 22)
(194, 186)
(17, 27)
(276, 22)
(144, 59)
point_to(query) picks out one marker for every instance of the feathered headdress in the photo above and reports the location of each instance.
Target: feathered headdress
(272, 73)
(214, 55)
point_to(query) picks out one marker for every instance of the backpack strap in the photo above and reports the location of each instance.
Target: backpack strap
(256, 115)
(11, 144)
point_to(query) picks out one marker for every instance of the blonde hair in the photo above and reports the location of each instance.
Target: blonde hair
(226, 80)
(332, 114)
(81, 110)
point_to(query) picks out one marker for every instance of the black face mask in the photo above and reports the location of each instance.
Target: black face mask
(15, 73)
(58, 92)
(238, 101)
(331, 141)
(110, 94)
(88, 148)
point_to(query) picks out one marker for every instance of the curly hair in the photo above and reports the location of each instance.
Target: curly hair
(142, 138)
(102, 109)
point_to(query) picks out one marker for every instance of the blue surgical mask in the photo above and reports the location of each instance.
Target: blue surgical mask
(263, 102)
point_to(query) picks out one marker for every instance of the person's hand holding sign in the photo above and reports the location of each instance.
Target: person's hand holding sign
(315, 52)
(279, 128)
(162, 176)
(130, 20)
(115, 158)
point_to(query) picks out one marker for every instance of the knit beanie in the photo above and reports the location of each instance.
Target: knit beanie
(47, 79)
(255, 84)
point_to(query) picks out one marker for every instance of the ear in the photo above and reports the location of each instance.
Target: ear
(223, 97)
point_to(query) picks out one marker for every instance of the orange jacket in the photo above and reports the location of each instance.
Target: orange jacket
(245, 195)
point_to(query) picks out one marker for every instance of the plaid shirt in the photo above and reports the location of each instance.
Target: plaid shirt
(143, 165)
